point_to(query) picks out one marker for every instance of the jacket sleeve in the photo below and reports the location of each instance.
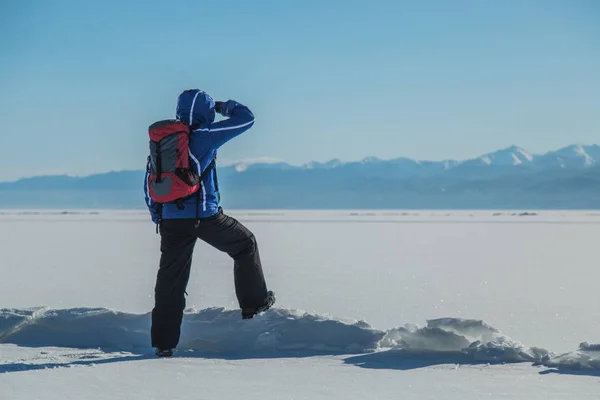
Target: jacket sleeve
(240, 120)
(152, 206)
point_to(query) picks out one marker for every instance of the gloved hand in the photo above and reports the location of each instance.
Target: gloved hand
(154, 212)
(225, 107)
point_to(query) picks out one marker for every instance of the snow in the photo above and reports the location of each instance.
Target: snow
(334, 163)
(587, 357)
(241, 167)
(525, 154)
(243, 164)
(516, 160)
(472, 339)
(209, 330)
(371, 159)
(571, 156)
(358, 377)
(277, 332)
(371, 304)
(251, 161)
(513, 155)
(580, 151)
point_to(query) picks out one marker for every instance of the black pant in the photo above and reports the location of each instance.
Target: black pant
(178, 238)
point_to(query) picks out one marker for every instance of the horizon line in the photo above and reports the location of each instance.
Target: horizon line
(274, 160)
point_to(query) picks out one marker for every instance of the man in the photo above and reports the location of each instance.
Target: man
(199, 217)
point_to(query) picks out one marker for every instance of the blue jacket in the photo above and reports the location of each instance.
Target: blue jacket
(197, 109)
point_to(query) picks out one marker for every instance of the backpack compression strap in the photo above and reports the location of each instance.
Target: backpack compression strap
(212, 164)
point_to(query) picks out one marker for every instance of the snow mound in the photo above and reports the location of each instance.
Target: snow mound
(221, 331)
(217, 331)
(75, 328)
(469, 338)
(586, 357)
(213, 330)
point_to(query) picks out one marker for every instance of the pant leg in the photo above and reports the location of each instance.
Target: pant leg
(230, 236)
(177, 246)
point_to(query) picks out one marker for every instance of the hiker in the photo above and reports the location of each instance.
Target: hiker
(197, 215)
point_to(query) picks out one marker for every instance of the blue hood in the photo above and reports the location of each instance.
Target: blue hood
(197, 103)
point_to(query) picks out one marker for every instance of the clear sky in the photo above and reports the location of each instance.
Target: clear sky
(80, 81)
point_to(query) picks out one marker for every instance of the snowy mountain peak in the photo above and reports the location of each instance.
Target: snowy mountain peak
(513, 155)
(580, 151)
(335, 163)
(576, 155)
(368, 160)
(242, 165)
(525, 154)
(519, 154)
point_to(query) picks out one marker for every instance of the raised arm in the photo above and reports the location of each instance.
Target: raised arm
(240, 119)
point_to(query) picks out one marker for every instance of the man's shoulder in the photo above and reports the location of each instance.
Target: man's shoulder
(201, 148)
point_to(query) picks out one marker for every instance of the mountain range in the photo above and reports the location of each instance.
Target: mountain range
(568, 178)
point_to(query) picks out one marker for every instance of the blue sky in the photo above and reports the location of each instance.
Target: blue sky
(81, 81)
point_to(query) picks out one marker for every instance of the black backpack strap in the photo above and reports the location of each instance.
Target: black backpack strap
(159, 208)
(158, 163)
(197, 206)
(212, 164)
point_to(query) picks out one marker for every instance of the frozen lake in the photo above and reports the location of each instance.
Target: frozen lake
(533, 276)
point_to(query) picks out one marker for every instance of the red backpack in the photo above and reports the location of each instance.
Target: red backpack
(170, 178)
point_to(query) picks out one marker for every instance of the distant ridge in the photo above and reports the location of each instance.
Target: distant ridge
(567, 178)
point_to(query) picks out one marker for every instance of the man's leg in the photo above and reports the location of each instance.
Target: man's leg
(177, 246)
(230, 236)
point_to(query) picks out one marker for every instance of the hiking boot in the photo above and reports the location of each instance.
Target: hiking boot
(164, 352)
(248, 313)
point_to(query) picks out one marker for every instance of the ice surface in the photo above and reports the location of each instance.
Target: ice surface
(388, 267)
(60, 373)
(459, 305)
